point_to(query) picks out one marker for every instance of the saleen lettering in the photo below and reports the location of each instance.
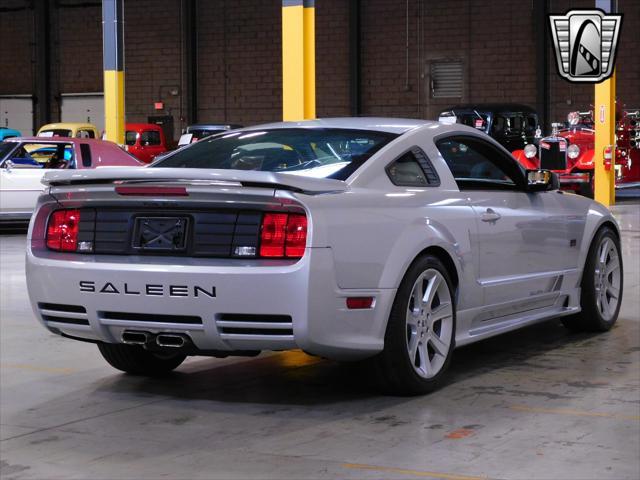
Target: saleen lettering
(157, 290)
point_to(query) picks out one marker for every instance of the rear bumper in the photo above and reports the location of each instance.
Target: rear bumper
(118, 293)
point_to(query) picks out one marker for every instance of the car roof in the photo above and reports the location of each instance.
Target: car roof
(69, 125)
(217, 126)
(380, 124)
(50, 140)
(492, 107)
(142, 126)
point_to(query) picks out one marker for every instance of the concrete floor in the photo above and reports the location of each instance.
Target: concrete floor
(541, 403)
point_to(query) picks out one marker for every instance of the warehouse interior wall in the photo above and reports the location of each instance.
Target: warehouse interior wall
(238, 52)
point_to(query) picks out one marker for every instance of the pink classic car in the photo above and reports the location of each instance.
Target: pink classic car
(24, 161)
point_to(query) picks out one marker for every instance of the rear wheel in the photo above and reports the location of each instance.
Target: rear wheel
(601, 285)
(420, 333)
(138, 361)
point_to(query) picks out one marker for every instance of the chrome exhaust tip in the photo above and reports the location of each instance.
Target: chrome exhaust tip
(132, 337)
(171, 340)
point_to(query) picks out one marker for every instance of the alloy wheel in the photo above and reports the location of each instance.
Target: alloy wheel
(607, 279)
(429, 323)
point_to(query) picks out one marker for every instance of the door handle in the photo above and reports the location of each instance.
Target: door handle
(490, 216)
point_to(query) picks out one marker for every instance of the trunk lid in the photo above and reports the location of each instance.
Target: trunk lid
(215, 213)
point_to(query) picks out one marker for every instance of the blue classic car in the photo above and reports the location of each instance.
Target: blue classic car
(8, 133)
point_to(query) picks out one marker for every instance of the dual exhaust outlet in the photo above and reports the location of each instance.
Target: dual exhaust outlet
(169, 340)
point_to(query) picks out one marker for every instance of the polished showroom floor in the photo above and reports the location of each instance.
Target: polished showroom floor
(541, 403)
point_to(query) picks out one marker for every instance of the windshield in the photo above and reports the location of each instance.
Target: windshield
(313, 152)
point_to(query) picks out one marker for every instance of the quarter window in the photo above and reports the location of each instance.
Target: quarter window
(413, 169)
(85, 150)
(478, 165)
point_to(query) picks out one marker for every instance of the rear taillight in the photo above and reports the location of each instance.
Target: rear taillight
(62, 231)
(283, 235)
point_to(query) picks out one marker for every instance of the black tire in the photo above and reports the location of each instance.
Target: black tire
(586, 189)
(393, 367)
(138, 361)
(590, 319)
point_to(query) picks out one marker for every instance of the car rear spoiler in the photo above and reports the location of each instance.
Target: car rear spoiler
(194, 176)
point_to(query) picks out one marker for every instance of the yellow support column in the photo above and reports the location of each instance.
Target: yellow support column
(113, 65)
(309, 59)
(298, 60)
(292, 60)
(605, 120)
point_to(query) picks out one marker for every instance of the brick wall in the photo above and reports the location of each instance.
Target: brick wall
(153, 60)
(628, 62)
(239, 56)
(16, 38)
(332, 58)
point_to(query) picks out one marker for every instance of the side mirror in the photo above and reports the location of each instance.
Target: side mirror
(542, 180)
(8, 165)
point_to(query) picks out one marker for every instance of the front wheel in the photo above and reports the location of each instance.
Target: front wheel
(601, 285)
(420, 333)
(138, 361)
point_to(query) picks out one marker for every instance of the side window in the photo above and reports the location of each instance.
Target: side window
(150, 137)
(85, 150)
(478, 165)
(130, 137)
(499, 125)
(413, 169)
(38, 155)
(517, 124)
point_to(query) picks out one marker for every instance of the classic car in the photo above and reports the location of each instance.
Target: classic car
(511, 124)
(145, 141)
(569, 151)
(8, 133)
(25, 160)
(358, 238)
(69, 129)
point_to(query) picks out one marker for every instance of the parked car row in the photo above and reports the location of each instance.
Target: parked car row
(568, 150)
(25, 160)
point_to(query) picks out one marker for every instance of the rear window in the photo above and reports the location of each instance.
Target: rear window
(150, 137)
(58, 132)
(313, 152)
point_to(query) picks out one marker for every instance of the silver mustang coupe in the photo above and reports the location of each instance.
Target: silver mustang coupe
(380, 238)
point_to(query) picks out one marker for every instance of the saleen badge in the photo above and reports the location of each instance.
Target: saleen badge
(585, 43)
